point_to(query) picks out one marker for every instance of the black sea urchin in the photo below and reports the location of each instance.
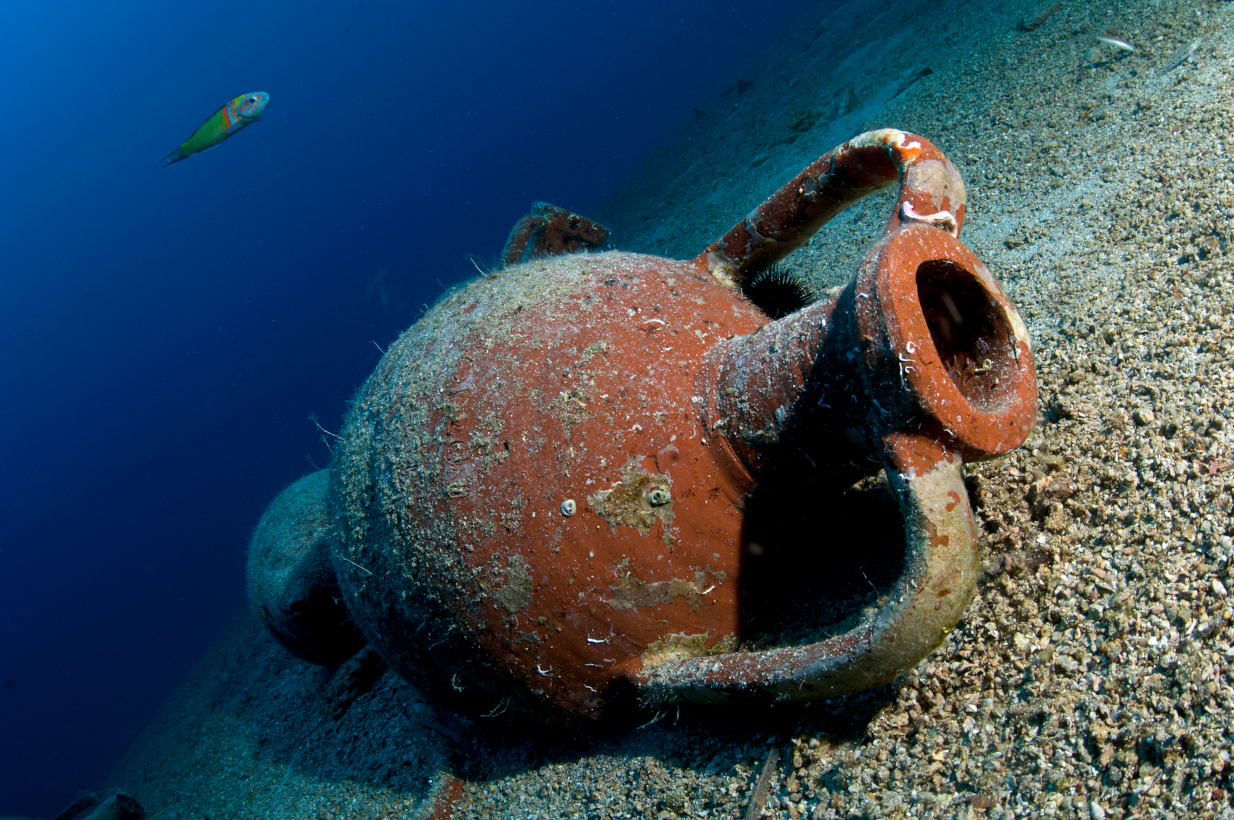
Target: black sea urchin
(778, 292)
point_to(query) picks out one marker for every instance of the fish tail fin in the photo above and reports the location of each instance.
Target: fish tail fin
(178, 154)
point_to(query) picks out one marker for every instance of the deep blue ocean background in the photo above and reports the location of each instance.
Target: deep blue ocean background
(166, 334)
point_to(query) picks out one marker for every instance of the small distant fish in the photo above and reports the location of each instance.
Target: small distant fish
(222, 124)
(1110, 40)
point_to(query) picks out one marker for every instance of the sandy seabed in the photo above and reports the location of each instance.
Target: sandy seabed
(1090, 678)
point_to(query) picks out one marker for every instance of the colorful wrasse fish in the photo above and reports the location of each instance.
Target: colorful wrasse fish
(222, 124)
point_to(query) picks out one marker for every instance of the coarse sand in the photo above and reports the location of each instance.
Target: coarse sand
(1090, 678)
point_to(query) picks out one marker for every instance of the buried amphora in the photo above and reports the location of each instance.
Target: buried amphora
(544, 489)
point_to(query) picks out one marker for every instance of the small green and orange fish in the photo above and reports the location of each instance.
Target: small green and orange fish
(222, 124)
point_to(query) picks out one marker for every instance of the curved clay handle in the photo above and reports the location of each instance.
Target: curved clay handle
(931, 193)
(926, 603)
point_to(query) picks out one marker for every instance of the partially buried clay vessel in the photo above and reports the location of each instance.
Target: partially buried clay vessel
(291, 580)
(550, 485)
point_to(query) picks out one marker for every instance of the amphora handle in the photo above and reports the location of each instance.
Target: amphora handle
(920, 363)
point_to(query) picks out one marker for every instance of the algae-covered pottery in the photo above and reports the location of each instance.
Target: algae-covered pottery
(544, 489)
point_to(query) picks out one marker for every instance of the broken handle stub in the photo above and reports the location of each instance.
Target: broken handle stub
(551, 231)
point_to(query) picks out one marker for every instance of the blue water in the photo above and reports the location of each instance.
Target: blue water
(166, 334)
